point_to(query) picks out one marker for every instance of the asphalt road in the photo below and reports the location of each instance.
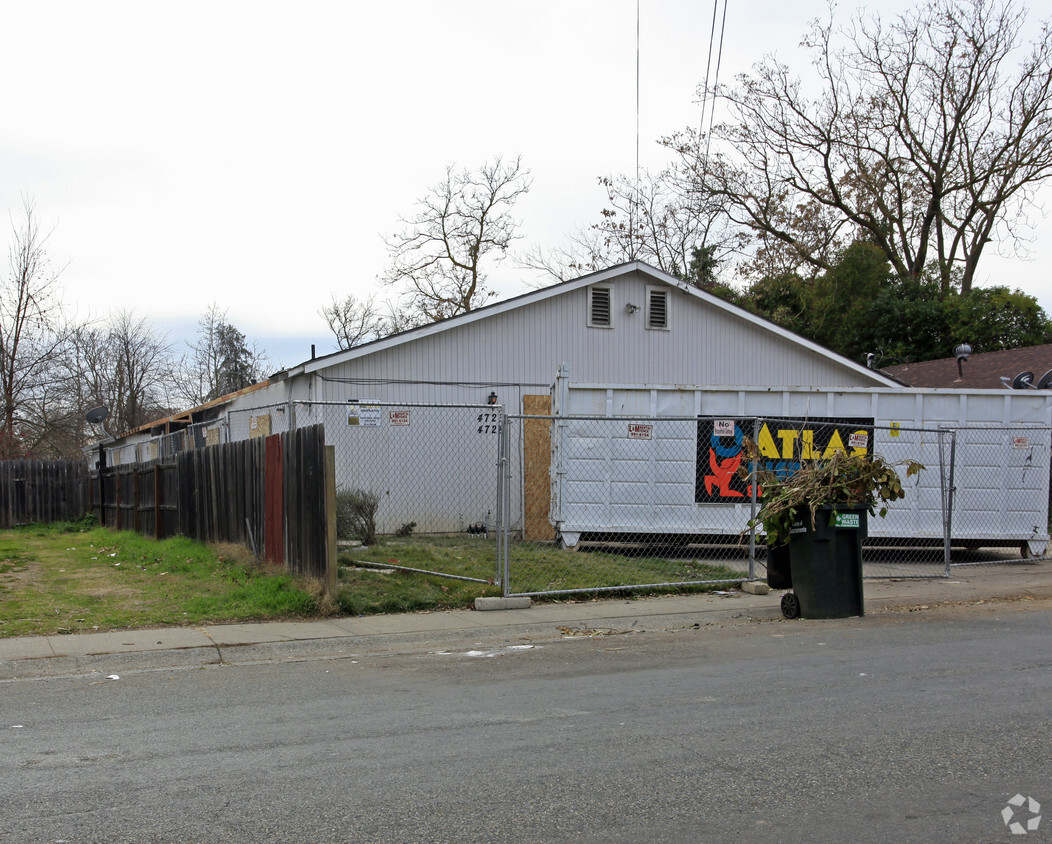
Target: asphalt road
(898, 727)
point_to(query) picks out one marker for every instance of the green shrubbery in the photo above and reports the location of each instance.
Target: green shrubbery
(356, 515)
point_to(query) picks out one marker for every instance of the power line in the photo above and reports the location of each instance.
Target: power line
(716, 79)
(635, 198)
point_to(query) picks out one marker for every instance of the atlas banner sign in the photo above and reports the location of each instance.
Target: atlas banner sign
(784, 445)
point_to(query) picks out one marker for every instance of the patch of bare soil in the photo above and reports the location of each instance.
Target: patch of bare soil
(1039, 602)
(15, 573)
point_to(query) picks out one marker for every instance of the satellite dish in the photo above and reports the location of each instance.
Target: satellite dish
(1024, 381)
(1046, 381)
(97, 415)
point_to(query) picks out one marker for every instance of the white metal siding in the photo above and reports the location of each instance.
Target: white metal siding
(526, 345)
(605, 484)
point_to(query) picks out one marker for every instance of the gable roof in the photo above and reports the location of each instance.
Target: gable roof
(979, 372)
(603, 276)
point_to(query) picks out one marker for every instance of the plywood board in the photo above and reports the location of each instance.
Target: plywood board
(537, 458)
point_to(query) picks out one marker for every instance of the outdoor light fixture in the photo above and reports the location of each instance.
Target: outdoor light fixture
(630, 308)
(491, 398)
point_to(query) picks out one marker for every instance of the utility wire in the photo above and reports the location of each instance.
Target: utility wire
(708, 65)
(703, 163)
(635, 198)
(716, 79)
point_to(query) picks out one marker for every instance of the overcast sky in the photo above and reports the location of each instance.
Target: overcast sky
(254, 154)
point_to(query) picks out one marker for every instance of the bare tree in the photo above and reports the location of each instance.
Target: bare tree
(923, 140)
(652, 219)
(219, 362)
(31, 331)
(438, 259)
(125, 365)
(355, 321)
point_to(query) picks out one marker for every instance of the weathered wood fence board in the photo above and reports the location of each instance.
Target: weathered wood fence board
(274, 502)
(268, 494)
(42, 491)
(305, 500)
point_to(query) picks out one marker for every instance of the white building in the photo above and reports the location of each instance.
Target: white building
(408, 413)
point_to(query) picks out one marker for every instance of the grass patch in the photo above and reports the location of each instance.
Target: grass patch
(73, 578)
(366, 591)
(537, 567)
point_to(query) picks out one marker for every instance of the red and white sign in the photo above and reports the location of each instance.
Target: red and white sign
(1020, 442)
(640, 432)
(398, 417)
(858, 440)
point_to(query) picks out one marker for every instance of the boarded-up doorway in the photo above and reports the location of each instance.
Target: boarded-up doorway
(537, 459)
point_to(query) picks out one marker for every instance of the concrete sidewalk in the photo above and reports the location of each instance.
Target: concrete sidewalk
(228, 643)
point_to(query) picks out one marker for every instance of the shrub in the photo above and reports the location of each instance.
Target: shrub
(356, 515)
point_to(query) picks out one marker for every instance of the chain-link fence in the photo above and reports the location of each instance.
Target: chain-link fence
(262, 422)
(999, 509)
(622, 494)
(422, 477)
(165, 446)
(557, 504)
(668, 501)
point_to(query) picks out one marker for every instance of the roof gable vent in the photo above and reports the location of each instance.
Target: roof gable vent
(657, 308)
(599, 306)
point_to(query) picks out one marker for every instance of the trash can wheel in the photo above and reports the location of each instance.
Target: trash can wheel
(790, 605)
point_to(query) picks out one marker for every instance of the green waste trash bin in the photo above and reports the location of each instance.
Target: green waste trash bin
(778, 573)
(825, 564)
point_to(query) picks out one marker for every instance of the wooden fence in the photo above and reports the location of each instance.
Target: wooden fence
(42, 491)
(275, 495)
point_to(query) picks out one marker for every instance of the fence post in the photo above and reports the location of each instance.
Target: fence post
(753, 484)
(503, 496)
(331, 572)
(946, 481)
(949, 513)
